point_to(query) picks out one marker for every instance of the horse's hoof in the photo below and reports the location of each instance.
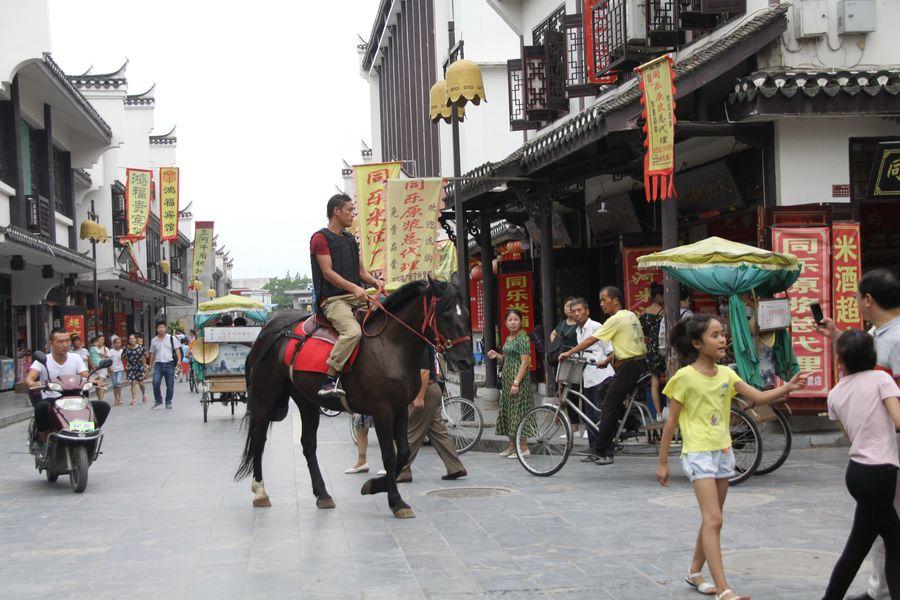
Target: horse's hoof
(366, 488)
(324, 503)
(404, 513)
(262, 502)
(253, 486)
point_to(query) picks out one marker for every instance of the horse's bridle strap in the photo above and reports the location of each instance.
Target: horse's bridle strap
(440, 344)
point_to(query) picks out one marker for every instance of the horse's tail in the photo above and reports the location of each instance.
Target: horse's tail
(246, 465)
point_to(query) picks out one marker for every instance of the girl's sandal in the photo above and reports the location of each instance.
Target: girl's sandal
(730, 595)
(706, 588)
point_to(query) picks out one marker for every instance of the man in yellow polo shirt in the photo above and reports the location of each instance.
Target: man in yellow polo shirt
(622, 328)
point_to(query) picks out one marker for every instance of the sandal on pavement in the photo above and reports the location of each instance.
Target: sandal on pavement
(507, 452)
(513, 455)
(363, 468)
(705, 587)
(730, 595)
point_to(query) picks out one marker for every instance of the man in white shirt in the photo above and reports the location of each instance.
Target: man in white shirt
(60, 362)
(166, 354)
(595, 378)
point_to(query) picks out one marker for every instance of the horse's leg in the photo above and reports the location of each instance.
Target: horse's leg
(384, 429)
(309, 415)
(264, 401)
(401, 438)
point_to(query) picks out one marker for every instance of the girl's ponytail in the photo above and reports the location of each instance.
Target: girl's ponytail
(686, 332)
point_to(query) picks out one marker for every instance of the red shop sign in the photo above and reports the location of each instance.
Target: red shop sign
(517, 293)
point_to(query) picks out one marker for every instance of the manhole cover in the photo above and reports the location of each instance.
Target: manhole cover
(469, 492)
(782, 563)
(735, 500)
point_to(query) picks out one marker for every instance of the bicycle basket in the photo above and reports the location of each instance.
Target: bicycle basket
(570, 371)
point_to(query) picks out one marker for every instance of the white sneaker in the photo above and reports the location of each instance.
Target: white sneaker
(584, 435)
(363, 468)
(507, 452)
(381, 472)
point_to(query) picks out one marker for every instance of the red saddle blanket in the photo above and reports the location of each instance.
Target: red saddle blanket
(318, 341)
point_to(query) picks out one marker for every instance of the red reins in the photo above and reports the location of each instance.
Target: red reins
(441, 343)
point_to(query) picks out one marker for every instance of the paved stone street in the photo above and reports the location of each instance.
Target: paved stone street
(162, 518)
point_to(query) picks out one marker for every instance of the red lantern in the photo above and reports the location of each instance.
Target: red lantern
(475, 274)
(514, 247)
(495, 264)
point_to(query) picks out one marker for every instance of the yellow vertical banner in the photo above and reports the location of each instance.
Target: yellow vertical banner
(657, 82)
(412, 206)
(168, 203)
(137, 201)
(203, 242)
(444, 259)
(371, 180)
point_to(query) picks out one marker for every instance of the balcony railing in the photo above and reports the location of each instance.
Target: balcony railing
(37, 209)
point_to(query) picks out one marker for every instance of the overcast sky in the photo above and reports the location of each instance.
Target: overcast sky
(266, 96)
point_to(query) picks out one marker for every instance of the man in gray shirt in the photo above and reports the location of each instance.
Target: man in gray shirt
(166, 354)
(879, 304)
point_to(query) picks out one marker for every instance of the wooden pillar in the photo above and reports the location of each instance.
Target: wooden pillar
(47, 175)
(489, 284)
(548, 284)
(70, 202)
(17, 206)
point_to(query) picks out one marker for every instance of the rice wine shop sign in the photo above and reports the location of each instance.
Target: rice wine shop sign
(885, 177)
(231, 334)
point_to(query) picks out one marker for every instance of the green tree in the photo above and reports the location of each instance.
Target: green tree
(278, 286)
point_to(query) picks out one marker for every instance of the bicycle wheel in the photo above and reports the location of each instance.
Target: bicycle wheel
(192, 380)
(776, 442)
(540, 431)
(464, 422)
(329, 412)
(746, 445)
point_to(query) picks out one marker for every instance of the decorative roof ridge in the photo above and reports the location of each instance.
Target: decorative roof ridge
(790, 82)
(37, 242)
(117, 74)
(166, 139)
(145, 98)
(57, 71)
(88, 80)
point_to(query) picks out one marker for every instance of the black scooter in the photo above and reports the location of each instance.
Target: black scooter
(74, 440)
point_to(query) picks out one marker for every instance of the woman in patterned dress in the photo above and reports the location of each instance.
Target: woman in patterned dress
(134, 357)
(651, 319)
(517, 392)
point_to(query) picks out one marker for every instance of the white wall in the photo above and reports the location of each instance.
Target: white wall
(24, 35)
(812, 154)
(6, 195)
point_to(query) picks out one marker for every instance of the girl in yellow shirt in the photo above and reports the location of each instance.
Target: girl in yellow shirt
(702, 393)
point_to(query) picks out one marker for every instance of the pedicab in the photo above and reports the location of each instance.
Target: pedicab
(226, 329)
(746, 275)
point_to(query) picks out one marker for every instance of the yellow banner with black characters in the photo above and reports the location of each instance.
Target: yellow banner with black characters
(413, 206)
(138, 196)
(203, 245)
(168, 203)
(371, 201)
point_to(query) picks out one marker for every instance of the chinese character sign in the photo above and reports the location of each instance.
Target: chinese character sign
(638, 281)
(120, 321)
(444, 259)
(137, 201)
(476, 302)
(812, 247)
(74, 321)
(371, 201)
(168, 203)
(657, 81)
(516, 293)
(203, 241)
(412, 211)
(846, 266)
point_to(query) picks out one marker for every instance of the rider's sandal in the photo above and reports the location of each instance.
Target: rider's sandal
(730, 595)
(706, 588)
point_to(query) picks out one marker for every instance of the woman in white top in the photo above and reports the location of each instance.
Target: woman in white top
(117, 369)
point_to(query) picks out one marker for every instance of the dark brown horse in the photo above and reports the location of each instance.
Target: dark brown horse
(381, 383)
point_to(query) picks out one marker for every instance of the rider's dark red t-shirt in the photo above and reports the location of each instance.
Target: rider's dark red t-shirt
(318, 245)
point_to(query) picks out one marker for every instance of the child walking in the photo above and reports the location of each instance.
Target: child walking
(865, 401)
(702, 394)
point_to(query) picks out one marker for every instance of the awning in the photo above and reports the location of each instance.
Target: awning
(142, 290)
(38, 250)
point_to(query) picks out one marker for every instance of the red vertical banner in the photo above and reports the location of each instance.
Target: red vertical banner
(75, 321)
(638, 281)
(120, 320)
(476, 301)
(846, 258)
(517, 293)
(812, 247)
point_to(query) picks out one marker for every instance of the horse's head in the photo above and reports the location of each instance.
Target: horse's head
(452, 321)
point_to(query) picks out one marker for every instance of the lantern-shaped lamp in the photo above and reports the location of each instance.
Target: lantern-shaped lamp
(165, 267)
(475, 274)
(211, 293)
(464, 83)
(440, 110)
(93, 231)
(196, 285)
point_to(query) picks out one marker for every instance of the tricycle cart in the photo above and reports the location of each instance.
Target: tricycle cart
(759, 323)
(226, 329)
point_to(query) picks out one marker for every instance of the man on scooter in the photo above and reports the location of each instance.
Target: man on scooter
(60, 362)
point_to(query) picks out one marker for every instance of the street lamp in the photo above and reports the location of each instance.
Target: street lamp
(462, 83)
(92, 230)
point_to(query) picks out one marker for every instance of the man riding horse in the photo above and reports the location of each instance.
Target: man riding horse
(337, 277)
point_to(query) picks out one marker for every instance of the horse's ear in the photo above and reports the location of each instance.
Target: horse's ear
(455, 279)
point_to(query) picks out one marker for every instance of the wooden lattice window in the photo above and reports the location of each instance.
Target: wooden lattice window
(60, 180)
(554, 23)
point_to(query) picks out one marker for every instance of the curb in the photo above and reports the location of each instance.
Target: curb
(16, 417)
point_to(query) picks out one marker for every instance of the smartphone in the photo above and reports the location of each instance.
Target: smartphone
(818, 315)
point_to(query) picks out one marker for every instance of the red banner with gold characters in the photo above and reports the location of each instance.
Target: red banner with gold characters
(476, 301)
(412, 212)
(812, 247)
(138, 196)
(638, 281)
(846, 264)
(120, 324)
(371, 202)
(168, 203)
(517, 293)
(657, 81)
(74, 320)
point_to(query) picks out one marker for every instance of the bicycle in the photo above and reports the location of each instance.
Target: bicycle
(463, 420)
(775, 433)
(550, 432)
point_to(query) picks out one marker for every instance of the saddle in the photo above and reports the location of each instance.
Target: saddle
(310, 345)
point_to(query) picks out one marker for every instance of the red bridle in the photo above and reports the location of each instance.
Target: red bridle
(429, 321)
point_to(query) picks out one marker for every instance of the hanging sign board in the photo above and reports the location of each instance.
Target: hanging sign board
(231, 334)
(371, 203)
(137, 201)
(775, 314)
(413, 206)
(657, 81)
(168, 203)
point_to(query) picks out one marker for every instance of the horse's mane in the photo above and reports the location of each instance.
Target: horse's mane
(403, 295)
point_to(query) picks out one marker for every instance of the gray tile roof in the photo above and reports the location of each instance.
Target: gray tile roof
(810, 84)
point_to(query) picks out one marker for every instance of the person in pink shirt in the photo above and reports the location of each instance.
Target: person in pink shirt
(866, 402)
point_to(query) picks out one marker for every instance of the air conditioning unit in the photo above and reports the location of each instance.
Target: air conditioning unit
(635, 21)
(176, 264)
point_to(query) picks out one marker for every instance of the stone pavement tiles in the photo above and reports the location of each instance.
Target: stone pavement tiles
(162, 518)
